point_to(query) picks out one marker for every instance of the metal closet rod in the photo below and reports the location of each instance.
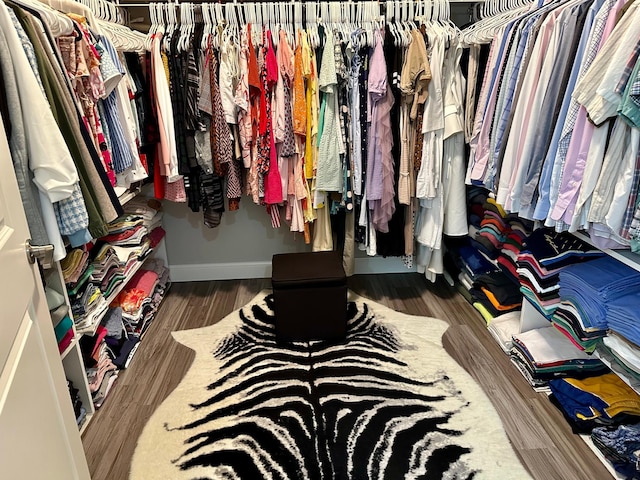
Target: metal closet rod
(239, 3)
(177, 3)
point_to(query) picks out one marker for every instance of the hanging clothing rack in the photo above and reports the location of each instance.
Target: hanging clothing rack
(411, 8)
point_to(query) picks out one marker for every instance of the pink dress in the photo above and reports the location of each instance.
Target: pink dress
(272, 181)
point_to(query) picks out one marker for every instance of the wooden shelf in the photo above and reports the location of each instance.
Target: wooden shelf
(86, 422)
(70, 347)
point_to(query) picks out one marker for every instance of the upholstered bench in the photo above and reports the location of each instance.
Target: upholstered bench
(310, 296)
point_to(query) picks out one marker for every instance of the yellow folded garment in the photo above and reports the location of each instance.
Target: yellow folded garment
(620, 397)
(71, 262)
(498, 206)
(484, 312)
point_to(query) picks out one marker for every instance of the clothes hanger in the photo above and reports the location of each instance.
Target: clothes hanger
(314, 23)
(152, 18)
(407, 18)
(392, 21)
(378, 26)
(192, 22)
(181, 30)
(233, 13)
(189, 10)
(58, 23)
(183, 27)
(287, 25)
(153, 28)
(206, 21)
(280, 8)
(128, 40)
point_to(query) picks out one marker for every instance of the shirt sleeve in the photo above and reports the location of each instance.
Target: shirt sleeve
(50, 161)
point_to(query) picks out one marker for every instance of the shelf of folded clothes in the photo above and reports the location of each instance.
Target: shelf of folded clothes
(63, 329)
(100, 369)
(486, 259)
(544, 255)
(116, 339)
(95, 275)
(78, 408)
(625, 256)
(136, 305)
(598, 297)
(622, 357)
(544, 354)
(595, 401)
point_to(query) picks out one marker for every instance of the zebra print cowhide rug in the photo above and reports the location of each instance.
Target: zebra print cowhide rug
(387, 403)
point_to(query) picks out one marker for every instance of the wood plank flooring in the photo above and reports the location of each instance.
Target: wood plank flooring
(536, 428)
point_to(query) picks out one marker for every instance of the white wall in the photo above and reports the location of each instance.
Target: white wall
(240, 247)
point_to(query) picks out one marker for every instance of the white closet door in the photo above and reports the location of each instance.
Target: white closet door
(39, 438)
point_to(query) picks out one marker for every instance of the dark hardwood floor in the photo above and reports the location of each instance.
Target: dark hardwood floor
(536, 428)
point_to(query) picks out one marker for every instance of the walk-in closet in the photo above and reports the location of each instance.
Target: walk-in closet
(320, 239)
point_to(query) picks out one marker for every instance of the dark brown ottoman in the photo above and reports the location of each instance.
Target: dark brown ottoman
(310, 296)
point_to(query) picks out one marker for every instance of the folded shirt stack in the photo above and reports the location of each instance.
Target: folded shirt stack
(493, 230)
(519, 229)
(149, 209)
(503, 327)
(544, 254)
(622, 357)
(100, 369)
(567, 319)
(132, 236)
(476, 198)
(121, 347)
(497, 293)
(156, 235)
(471, 262)
(623, 315)
(593, 286)
(554, 250)
(76, 401)
(104, 262)
(545, 354)
(538, 284)
(62, 326)
(87, 305)
(139, 288)
(74, 265)
(597, 400)
(124, 224)
(138, 325)
(130, 256)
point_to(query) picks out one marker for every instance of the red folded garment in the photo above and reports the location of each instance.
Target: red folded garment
(156, 235)
(66, 341)
(122, 236)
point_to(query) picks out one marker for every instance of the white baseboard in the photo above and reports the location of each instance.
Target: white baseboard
(243, 270)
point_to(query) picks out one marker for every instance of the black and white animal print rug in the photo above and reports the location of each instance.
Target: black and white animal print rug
(387, 403)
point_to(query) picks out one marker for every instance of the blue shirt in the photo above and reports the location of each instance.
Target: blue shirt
(542, 206)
